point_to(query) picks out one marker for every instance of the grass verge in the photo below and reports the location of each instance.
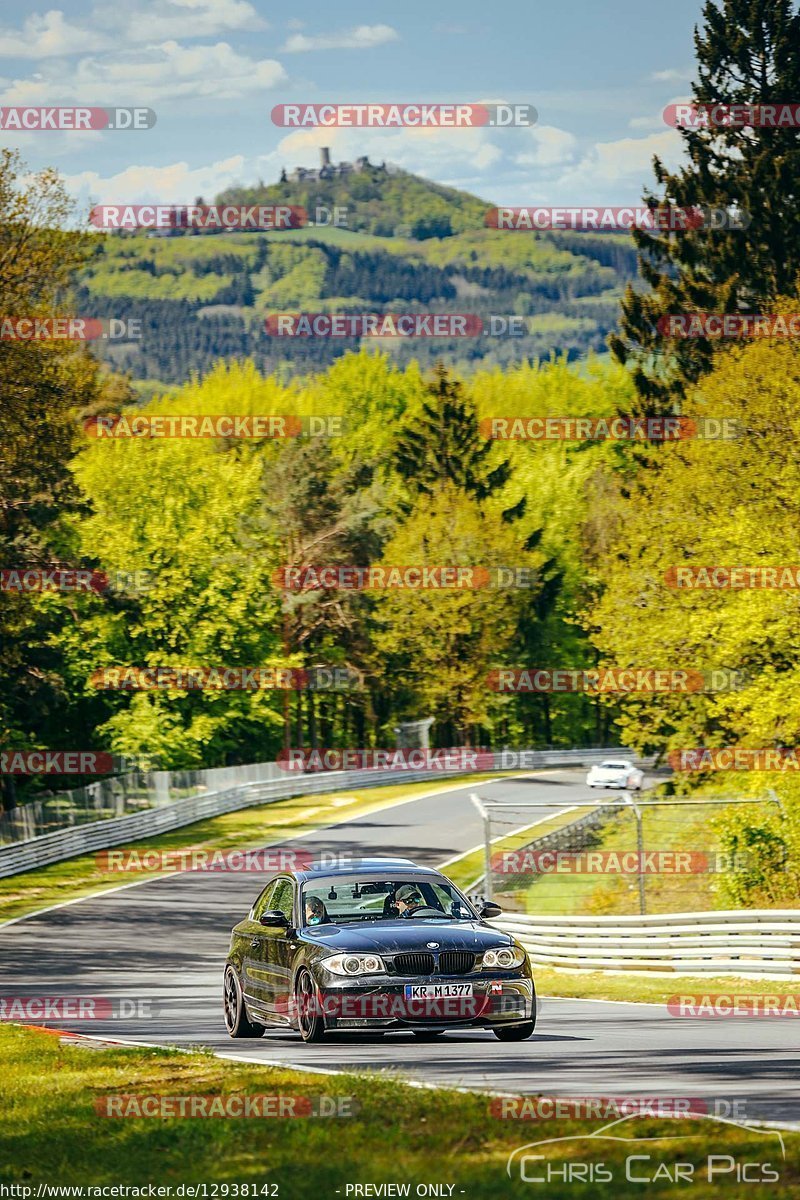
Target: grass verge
(55, 1135)
(655, 989)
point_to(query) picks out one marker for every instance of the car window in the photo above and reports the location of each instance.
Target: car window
(264, 901)
(346, 900)
(283, 898)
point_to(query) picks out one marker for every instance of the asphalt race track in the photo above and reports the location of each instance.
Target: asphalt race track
(160, 948)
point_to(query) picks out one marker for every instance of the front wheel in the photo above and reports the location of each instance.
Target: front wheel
(237, 1022)
(309, 1019)
(514, 1033)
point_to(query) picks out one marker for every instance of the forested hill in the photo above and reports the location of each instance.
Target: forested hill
(408, 245)
(383, 201)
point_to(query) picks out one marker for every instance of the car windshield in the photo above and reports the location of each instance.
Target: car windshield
(614, 766)
(345, 900)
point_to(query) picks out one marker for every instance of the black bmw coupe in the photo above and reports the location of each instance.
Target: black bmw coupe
(382, 944)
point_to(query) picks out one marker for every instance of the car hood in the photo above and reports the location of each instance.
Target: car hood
(389, 937)
(611, 772)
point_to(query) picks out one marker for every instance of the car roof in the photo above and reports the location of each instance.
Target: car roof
(403, 867)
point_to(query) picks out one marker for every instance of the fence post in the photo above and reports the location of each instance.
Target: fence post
(487, 844)
(640, 851)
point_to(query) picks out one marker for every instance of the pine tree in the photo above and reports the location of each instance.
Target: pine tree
(748, 53)
(445, 445)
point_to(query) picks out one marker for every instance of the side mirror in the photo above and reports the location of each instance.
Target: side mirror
(273, 917)
(490, 909)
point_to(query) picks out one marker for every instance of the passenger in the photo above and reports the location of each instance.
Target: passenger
(315, 911)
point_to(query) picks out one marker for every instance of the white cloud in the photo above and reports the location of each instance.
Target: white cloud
(190, 19)
(552, 147)
(436, 154)
(363, 37)
(150, 76)
(175, 183)
(673, 75)
(625, 162)
(50, 35)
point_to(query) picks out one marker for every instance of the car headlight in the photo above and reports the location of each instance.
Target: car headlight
(354, 964)
(506, 956)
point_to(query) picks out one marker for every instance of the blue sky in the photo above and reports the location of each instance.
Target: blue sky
(599, 76)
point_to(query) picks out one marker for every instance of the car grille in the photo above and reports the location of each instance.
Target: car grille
(456, 962)
(451, 962)
(414, 964)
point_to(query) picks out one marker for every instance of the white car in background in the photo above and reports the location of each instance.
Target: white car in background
(616, 773)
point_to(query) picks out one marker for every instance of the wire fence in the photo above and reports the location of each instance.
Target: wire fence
(624, 856)
(123, 795)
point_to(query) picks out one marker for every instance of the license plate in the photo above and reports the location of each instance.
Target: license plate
(436, 991)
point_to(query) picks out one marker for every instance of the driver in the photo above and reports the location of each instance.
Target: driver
(408, 900)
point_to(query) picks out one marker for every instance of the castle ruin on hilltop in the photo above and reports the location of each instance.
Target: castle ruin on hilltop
(330, 170)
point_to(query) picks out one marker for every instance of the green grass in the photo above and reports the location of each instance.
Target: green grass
(652, 989)
(54, 1133)
(248, 828)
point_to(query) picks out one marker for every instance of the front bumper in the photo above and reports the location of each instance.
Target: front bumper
(382, 1003)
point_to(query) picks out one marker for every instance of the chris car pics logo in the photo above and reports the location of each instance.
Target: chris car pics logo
(555, 1160)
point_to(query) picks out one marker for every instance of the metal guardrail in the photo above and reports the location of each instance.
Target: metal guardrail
(746, 941)
(211, 798)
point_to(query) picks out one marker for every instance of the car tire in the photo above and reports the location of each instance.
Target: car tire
(310, 1024)
(514, 1033)
(237, 1022)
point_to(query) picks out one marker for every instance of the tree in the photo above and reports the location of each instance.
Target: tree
(726, 502)
(748, 53)
(443, 445)
(438, 645)
(45, 385)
